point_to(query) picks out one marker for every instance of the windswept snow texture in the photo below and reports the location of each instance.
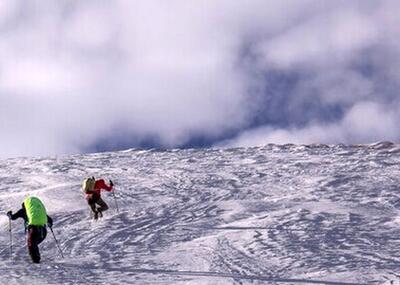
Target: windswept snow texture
(266, 215)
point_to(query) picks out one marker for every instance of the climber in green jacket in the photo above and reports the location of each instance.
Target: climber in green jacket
(35, 216)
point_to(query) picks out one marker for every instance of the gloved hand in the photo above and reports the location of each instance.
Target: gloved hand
(9, 213)
(50, 224)
(111, 183)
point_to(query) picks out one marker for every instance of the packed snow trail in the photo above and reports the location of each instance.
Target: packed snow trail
(278, 214)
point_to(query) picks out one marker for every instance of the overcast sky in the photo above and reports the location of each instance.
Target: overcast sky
(82, 76)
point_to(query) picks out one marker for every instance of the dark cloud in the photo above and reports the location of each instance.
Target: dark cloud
(331, 77)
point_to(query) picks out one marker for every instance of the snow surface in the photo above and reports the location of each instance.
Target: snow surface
(287, 214)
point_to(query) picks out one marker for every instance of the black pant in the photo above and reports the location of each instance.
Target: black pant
(36, 234)
(95, 199)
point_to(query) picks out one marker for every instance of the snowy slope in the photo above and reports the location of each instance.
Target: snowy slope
(266, 215)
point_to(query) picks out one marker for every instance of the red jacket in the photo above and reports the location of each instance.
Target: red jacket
(98, 185)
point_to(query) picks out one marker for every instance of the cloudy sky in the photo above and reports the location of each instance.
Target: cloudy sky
(83, 76)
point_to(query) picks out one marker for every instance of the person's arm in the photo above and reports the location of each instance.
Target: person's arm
(20, 214)
(104, 186)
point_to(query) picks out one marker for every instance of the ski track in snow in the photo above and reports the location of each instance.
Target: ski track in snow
(286, 214)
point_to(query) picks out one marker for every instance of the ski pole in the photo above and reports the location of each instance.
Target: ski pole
(58, 246)
(115, 199)
(9, 229)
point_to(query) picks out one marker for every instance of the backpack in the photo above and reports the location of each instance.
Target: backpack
(35, 211)
(88, 185)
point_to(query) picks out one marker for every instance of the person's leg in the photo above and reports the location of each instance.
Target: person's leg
(103, 206)
(42, 233)
(92, 205)
(32, 240)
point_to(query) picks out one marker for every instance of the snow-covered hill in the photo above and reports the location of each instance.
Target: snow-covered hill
(266, 215)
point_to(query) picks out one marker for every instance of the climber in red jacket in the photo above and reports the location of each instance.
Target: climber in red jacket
(93, 197)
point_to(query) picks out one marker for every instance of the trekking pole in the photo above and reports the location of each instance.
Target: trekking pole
(9, 229)
(58, 246)
(115, 199)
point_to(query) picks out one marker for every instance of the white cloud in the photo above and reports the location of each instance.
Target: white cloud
(91, 26)
(74, 73)
(44, 77)
(8, 9)
(366, 122)
(336, 34)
